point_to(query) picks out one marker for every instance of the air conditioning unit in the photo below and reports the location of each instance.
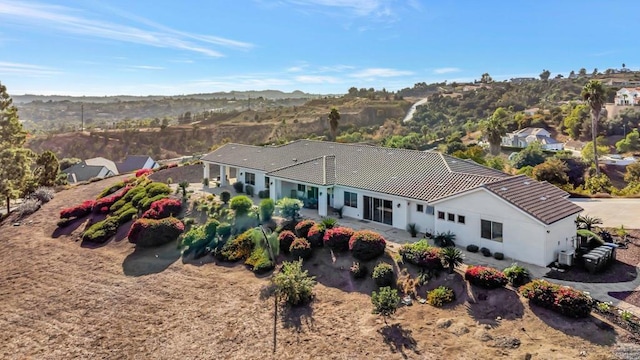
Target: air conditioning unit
(565, 258)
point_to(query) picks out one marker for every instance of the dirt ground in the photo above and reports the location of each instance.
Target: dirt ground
(62, 300)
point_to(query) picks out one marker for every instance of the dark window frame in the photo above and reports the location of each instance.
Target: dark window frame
(441, 215)
(351, 199)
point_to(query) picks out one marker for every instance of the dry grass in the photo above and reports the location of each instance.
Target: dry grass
(61, 300)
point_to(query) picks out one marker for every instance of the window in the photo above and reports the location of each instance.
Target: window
(441, 215)
(419, 207)
(430, 210)
(451, 217)
(350, 199)
(249, 178)
(491, 230)
(461, 219)
(267, 184)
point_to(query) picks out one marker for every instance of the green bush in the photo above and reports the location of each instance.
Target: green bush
(562, 299)
(111, 189)
(101, 231)
(498, 255)
(145, 204)
(267, 207)
(366, 245)
(152, 232)
(485, 277)
(285, 239)
(383, 274)
(293, 284)
(241, 205)
(225, 196)
(385, 301)
(137, 190)
(238, 248)
(248, 189)
(127, 215)
(118, 204)
(210, 228)
(289, 208)
(224, 230)
(157, 188)
(263, 194)
(140, 196)
(473, 248)
(238, 186)
(422, 254)
(316, 235)
(125, 208)
(516, 274)
(259, 260)
(329, 222)
(300, 249)
(440, 296)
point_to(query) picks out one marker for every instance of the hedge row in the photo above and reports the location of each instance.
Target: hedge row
(152, 232)
(163, 208)
(422, 254)
(486, 277)
(77, 211)
(562, 299)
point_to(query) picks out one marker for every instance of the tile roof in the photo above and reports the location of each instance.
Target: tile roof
(541, 200)
(132, 163)
(100, 161)
(83, 172)
(318, 171)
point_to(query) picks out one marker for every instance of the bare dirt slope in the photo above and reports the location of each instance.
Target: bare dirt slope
(61, 300)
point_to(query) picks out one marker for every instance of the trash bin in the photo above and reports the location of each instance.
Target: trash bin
(614, 248)
(591, 262)
(606, 251)
(601, 254)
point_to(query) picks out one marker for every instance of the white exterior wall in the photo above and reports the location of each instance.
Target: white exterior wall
(423, 221)
(560, 237)
(259, 176)
(524, 238)
(149, 164)
(400, 206)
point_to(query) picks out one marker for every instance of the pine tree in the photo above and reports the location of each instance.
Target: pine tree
(15, 159)
(47, 168)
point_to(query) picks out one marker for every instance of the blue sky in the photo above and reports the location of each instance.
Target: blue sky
(158, 47)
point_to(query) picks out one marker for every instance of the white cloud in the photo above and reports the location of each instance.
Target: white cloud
(146, 67)
(380, 72)
(65, 19)
(379, 9)
(11, 68)
(316, 79)
(335, 68)
(446, 70)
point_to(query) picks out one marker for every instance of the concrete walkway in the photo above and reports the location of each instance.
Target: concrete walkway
(397, 237)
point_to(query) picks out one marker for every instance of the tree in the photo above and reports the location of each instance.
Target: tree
(14, 157)
(334, 117)
(587, 222)
(553, 170)
(47, 168)
(545, 74)
(629, 143)
(241, 204)
(532, 155)
(582, 72)
(486, 78)
(593, 93)
(385, 302)
(588, 150)
(494, 128)
(573, 122)
(451, 257)
(267, 206)
(633, 172)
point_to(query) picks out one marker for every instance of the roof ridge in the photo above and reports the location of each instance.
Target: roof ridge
(302, 162)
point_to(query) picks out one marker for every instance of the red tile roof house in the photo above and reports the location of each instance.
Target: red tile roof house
(527, 220)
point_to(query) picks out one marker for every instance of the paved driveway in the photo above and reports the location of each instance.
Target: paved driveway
(613, 212)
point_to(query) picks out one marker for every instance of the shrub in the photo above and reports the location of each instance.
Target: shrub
(366, 245)
(486, 252)
(145, 204)
(238, 248)
(238, 186)
(143, 172)
(248, 189)
(328, 222)
(127, 207)
(440, 296)
(289, 208)
(338, 238)
(64, 222)
(152, 232)
(156, 188)
(259, 260)
(163, 208)
(445, 239)
(111, 189)
(286, 238)
(104, 204)
(127, 215)
(241, 205)
(224, 230)
(293, 284)
(302, 228)
(315, 235)
(451, 257)
(385, 301)
(358, 271)
(118, 205)
(267, 207)
(422, 254)
(412, 228)
(564, 300)
(263, 194)
(205, 181)
(225, 196)
(101, 231)
(300, 249)
(135, 192)
(43, 194)
(28, 207)
(498, 255)
(139, 197)
(210, 228)
(77, 211)
(383, 274)
(485, 277)
(516, 274)
(472, 248)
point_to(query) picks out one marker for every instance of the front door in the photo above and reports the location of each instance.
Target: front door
(378, 210)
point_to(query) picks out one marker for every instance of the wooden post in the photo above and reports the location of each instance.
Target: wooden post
(275, 321)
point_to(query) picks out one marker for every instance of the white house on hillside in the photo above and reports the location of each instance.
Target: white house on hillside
(527, 220)
(522, 138)
(628, 96)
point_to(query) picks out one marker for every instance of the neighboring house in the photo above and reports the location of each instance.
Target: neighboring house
(522, 80)
(136, 162)
(522, 138)
(628, 96)
(83, 172)
(531, 112)
(617, 160)
(526, 220)
(100, 161)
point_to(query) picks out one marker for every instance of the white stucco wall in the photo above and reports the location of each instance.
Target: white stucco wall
(424, 221)
(524, 238)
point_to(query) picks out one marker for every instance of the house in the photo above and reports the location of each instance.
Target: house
(531, 111)
(526, 220)
(100, 161)
(83, 172)
(522, 80)
(136, 162)
(628, 96)
(523, 137)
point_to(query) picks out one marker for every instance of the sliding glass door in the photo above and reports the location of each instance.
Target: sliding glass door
(378, 210)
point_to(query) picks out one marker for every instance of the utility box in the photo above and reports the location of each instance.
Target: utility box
(565, 258)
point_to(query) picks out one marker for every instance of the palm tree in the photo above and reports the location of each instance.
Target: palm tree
(593, 93)
(451, 257)
(445, 239)
(493, 129)
(334, 117)
(587, 222)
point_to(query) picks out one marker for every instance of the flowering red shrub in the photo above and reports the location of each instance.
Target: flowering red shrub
(366, 245)
(422, 254)
(486, 277)
(163, 208)
(102, 205)
(338, 238)
(143, 172)
(78, 210)
(315, 235)
(300, 248)
(562, 299)
(286, 238)
(152, 232)
(302, 228)
(172, 165)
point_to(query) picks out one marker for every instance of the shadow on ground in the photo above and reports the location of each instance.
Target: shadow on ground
(297, 317)
(400, 340)
(631, 297)
(145, 261)
(591, 329)
(489, 307)
(617, 272)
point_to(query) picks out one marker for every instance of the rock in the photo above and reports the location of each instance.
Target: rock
(482, 335)
(16, 224)
(507, 342)
(459, 329)
(499, 318)
(528, 356)
(444, 323)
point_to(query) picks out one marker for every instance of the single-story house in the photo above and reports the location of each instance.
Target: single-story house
(527, 220)
(100, 161)
(136, 162)
(83, 172)
(523, 137)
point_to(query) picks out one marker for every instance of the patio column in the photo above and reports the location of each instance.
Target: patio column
(205, 165)
(275, 189)
(322, 201)
(223, 175)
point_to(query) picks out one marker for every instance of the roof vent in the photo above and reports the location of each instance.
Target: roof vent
(259, 150)
(390, 153)
(440, 184)
(331, 146)
(423, 157)
(219, 155)
(394, 177)
(543, 198)
(295, 160)
(354, 171)
(358, 149)
(315, 163)
(233, 147)
(503, 189)
(527, 182)
(454, 161)
(272, 164)
(244, 159)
